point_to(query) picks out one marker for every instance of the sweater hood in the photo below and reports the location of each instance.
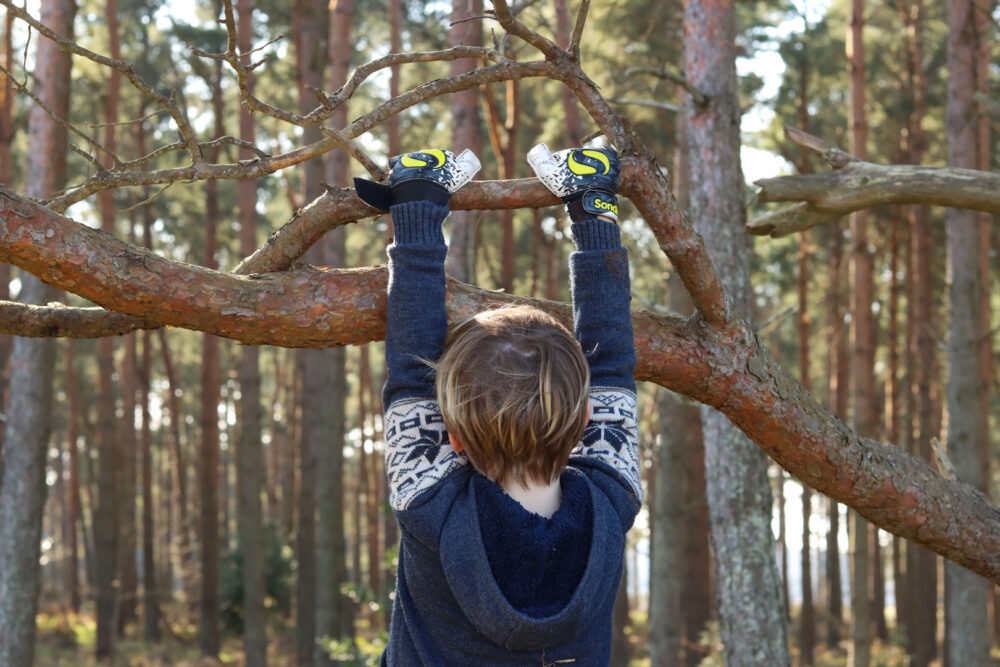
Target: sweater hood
(466, 567)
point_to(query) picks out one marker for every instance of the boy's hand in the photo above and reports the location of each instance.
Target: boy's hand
(427, 175)
(585, 178)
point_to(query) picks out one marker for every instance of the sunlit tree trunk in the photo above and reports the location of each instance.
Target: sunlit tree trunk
(966, 594)
(752, 619)
(22, 481)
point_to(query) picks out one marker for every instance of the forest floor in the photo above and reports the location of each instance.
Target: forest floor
(67, 640)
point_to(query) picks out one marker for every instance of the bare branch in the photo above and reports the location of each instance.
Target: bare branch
(506, 19)
(699, 98)
(269, 164)
(581, 20)
(127, 70)
(654, 104)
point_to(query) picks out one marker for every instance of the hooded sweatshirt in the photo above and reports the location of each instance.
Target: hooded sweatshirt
(481, 580)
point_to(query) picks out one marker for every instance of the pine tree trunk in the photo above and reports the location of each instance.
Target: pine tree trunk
(838, 385)
(921, 564)
(465, 133)
(893, 417)
(333, 610)
(6, 176)
(73, 558)
(863, 355)
(966, 593)
(22, 480)
(752, 620)
(208, 459)
(180, 469)
(620, 649)
(151, 598)
(249, 453)
(667, 512)
(126, 461)
(314, 596)
(807, 616)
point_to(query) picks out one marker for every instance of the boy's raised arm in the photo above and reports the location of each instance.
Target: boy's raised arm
(587, 181)
(420, 186)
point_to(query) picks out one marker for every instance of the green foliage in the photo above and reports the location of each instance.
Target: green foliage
(277, 579)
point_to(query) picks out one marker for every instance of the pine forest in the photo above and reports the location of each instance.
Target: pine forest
(193, 314)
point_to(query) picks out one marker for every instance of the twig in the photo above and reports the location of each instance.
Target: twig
(581, 20)
(944, 463)
(148, 200)
(665, 106)
(126, 69)
(355, 151)
(21, 88)
(699, 97)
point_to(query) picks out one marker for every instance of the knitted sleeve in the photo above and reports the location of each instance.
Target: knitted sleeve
(418, 453)
(599, 280)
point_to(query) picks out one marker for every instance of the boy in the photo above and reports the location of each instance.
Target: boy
(511, 446)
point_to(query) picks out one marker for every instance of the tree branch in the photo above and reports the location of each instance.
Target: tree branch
(58, 321)
(724, 367)
(856, 185)
(699, 97)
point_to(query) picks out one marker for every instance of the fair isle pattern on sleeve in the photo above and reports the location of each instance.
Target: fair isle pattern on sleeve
(612, 434)
(418, 454)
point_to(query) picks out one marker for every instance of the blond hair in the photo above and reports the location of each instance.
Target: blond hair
(513, 388)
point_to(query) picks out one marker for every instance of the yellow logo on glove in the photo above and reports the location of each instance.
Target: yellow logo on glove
(409, 161)
(584, 169)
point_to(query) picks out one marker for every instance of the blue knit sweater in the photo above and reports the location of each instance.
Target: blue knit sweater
(482, 581)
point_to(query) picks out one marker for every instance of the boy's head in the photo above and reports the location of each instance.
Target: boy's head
(513, 387)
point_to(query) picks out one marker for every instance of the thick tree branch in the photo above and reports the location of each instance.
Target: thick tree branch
(725, 367)
(856, 185)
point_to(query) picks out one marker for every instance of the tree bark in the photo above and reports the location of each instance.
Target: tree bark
(966, 594)
(752, 620)
(249, 454)
(27, 428)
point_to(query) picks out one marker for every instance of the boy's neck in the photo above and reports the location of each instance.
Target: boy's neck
(537, 497)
